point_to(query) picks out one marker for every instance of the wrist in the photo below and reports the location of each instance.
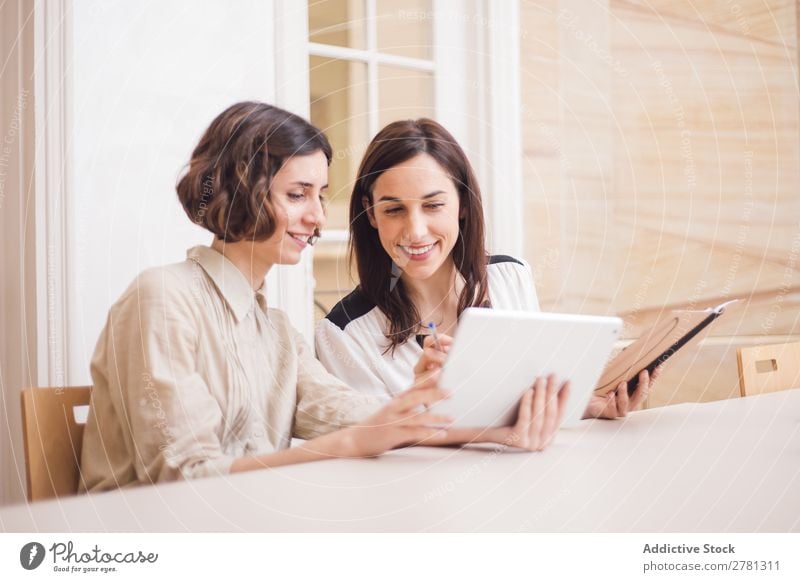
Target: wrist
(336, 444)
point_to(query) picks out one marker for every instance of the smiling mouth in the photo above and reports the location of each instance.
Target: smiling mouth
(413, 251)
(306, 239)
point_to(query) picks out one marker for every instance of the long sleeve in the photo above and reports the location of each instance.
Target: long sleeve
(325, 402)
(148, 396)
(511, 286)
(344, 358)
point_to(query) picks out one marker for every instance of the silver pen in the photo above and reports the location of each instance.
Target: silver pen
(437, 345)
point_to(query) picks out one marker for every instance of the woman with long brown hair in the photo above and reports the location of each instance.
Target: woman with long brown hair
(194, 375)
(417, 238)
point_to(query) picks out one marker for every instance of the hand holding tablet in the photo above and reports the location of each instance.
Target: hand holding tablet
(498, 355)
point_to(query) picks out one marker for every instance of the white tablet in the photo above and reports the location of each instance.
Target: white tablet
(496, 355)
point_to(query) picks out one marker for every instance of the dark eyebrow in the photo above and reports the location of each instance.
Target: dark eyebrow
(395, 199)
(307, 185)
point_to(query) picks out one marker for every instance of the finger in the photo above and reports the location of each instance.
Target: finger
(656, 373)
(427, 379)
(445, 341)
(623, 400)
(430, 356)
(609, 409)
(410, 399)
(421, 418)
(537, 413)
(550, 414)
(563, 398)
(519, 436)
(642, 390)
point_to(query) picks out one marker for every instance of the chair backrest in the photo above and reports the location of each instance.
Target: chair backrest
(53, 438)
(768, 368)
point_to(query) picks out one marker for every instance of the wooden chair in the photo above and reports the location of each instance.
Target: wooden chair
(53, 440)
(768, 368)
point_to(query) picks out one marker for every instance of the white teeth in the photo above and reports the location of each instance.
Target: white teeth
(301, 238)
(418, 250)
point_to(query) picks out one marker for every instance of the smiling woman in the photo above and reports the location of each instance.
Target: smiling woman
(193, 374)
(417, 239)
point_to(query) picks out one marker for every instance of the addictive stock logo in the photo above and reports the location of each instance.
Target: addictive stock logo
(31, 555)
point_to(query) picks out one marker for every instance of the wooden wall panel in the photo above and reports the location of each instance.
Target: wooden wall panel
(666, 174)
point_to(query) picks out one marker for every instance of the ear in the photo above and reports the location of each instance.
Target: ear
(370, 210)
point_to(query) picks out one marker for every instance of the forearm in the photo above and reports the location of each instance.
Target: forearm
(330, 446)
(460, 436)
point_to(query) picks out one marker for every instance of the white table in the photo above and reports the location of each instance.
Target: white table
(729, 466)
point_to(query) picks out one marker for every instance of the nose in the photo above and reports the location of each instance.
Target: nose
(416, 226)
(315, 213)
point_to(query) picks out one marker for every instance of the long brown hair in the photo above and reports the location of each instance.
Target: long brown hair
(226, 188)
(379, 277)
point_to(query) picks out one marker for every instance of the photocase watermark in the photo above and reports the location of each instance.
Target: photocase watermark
(744, 226)
(690, 168)
(546, 261)
(741, 21)
(568, 21)
(208, 192)
(31, 555)
(56, 354)
(471, 471)
(789, 274)
(555, 143)
(457, 17)
(67, 559)
(154, 401)
(10, 137)
(544, 510)
(638, 301)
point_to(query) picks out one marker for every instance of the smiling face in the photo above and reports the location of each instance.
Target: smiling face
(297, 194)
(416, 212)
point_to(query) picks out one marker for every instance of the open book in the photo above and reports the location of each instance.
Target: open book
(676, 330)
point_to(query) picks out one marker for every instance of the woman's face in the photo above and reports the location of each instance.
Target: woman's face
(297, 193)
(416, 212)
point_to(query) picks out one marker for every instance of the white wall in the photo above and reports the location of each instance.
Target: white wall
(147, 78)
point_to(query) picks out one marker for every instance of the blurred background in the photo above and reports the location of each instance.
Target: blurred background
(641, 155)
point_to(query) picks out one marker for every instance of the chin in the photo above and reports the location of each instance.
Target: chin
(289, 258)
(421, 272)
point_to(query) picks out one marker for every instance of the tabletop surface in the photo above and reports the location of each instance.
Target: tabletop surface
(727, 466)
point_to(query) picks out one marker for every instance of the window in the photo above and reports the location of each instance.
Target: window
(371, 62)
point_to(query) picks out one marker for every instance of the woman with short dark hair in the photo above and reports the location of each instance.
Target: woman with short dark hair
(193, 374)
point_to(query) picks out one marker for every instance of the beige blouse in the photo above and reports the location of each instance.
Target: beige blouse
(192, 370)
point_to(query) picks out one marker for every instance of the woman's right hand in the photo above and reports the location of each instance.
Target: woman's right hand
(540, 412)
(403, 421)
(432, 359)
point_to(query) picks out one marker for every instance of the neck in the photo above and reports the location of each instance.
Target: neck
(245, 256)
(437, 296)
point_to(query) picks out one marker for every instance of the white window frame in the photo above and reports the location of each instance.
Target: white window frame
(372, 58)
(486, 122)
(496, 154)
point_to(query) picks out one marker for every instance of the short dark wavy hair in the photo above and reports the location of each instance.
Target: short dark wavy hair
(226, 188)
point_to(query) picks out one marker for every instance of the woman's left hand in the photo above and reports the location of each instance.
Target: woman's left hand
(618, 403)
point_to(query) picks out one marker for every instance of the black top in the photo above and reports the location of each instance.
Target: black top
(355, 305)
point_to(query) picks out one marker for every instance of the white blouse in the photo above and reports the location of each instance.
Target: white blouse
(351, 341)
